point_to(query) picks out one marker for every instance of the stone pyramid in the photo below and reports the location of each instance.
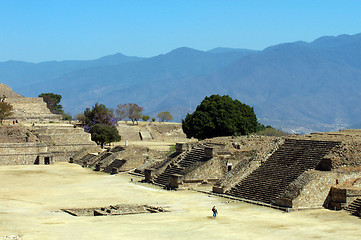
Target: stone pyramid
(8, 92)
(27, 109)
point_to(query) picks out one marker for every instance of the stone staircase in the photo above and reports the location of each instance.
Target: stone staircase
(191, 157)
(100, 158)
(90, 160)
(115, 165)
(355, 207)
(284, 166)
(87, 159)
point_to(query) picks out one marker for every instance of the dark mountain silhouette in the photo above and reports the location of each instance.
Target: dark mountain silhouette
(295, 86)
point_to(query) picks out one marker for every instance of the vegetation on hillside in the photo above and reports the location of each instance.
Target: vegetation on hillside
(6, 109)
(145, 118)
(220, 116)
(269, 131)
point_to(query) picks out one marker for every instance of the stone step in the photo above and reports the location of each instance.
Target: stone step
(282, 167)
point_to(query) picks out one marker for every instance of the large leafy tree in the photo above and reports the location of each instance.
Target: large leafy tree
(220, 116)
(165, 116)
(103, 133)
(99, 114)
(101, 123)
(131, 111)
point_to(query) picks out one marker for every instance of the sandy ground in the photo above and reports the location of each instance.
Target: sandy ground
(31, 198)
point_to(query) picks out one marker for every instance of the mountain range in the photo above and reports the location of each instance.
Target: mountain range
(297, 87)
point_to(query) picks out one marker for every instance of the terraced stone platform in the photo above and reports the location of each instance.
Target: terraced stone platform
(284, 166)
(114, 210)
(185, 161)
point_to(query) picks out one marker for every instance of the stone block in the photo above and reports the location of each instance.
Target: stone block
(217, 189)
(208, 152)
(114, 170)
(149, 174)
(175, 180)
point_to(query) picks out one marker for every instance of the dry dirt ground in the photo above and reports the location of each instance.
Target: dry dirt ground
(31, 198)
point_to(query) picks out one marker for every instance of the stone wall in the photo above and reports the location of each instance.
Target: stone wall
(211, 169)
(312, 188)
(241, 170)
(59, 142)
(23, 153)
(346, 154)
(64, 140)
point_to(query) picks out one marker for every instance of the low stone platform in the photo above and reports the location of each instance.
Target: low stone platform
(113, 210)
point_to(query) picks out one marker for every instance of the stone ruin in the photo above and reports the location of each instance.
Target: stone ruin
(114, 210)
(56, 140)
(27, 109)
(288, 173)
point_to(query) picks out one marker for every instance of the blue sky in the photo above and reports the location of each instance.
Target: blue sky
(42, 30)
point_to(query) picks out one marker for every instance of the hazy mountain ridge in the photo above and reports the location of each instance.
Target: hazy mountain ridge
(294, 86)
(99, 83)
(19, 73)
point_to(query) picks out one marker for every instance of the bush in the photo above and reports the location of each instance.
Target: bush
(270, 131)
(145, 118)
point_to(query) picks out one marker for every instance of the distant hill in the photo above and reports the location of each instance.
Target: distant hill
(18, 74)
(297, 87)
(224, 50)
(112, 84)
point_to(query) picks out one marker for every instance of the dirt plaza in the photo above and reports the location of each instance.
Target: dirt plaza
(32, 196)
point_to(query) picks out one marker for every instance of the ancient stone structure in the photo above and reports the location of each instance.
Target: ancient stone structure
(114, 210)
(290, 173)
(56, 140)
(27, 109)
(64, 140)
(25, 153)
(300, 174)
(195, 164)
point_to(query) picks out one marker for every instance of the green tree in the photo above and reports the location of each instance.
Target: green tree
(99, 114)
(6, 110)
(81, 118)
(103, 133)
(67, 116)
(165, 116)
(220, 116)
(53, 102)
(145, 118)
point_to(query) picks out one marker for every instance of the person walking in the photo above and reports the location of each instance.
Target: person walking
(214, 210)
